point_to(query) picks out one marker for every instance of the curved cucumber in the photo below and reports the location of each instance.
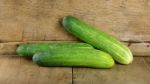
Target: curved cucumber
(98, 39)
(74, 58)
(28, 50)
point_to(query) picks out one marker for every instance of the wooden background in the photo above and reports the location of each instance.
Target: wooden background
(40, 21)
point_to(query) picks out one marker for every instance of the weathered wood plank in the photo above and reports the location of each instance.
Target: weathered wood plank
(17, 70)
(24, 20)
(9, 48)
(138, 49)
(136, 73)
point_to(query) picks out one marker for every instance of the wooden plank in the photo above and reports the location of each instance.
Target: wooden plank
(136, 73)
(17, 70)
(24, 20)
(9, 48)
(138, 49)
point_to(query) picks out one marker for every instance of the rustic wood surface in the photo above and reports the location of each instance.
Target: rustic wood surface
(136, 73)
(17, 70)
(24, 20)
(9, 48)
(40, 20)
(138, 49)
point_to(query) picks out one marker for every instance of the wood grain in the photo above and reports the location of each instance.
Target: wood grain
(9, 48)
(136, 73)
(138, 49)
(17, 70)
(32, 21)
(24, 20)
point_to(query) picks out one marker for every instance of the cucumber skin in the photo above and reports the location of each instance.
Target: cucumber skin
(74, 58)
(98, 39)
(28, 50)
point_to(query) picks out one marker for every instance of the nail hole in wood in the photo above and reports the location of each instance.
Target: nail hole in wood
(129, 44)
(17, 45)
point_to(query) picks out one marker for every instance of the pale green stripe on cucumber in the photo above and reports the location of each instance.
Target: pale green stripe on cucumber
(74, 58)
(27, 50)
(98, 39)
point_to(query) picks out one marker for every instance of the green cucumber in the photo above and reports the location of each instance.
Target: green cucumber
(27, 50)
(98, 39)
(74, 58)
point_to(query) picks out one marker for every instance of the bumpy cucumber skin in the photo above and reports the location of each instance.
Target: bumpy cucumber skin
(98, 39)
(74, 58)
(27, 50)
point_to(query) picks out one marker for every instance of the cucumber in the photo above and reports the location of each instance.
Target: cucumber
(27, 50)
(74, 58)
(98, 39)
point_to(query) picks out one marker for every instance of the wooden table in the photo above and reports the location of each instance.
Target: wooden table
(35, 21)
(18, 70)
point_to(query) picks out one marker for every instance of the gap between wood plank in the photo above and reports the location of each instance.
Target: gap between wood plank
(72, 76)
(129, 41)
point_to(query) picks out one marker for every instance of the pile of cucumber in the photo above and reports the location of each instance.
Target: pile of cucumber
(101, 50)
